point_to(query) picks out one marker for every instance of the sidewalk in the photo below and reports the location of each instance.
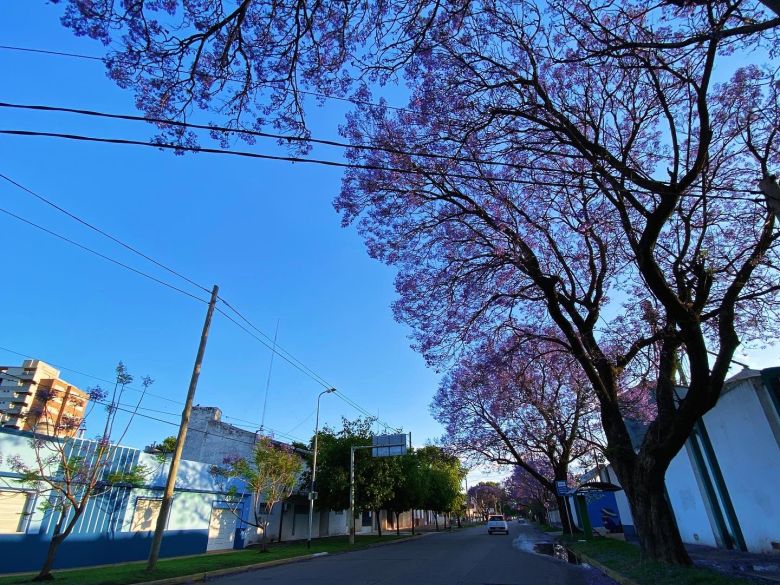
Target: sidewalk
(765, 567)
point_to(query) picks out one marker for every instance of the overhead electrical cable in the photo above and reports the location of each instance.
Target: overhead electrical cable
(294, 159)
(102, 232)
(149, 69)
(96, 253)
(329, 163)
(281, 137)
(284, 354)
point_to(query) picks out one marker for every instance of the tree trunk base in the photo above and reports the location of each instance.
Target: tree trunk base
(659, 537)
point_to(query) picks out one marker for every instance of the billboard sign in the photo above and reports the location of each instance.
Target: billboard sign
(389, 445)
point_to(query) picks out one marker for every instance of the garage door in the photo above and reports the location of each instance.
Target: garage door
(222, 529)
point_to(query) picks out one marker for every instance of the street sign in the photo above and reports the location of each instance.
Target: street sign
(561, 488)
(389, 445)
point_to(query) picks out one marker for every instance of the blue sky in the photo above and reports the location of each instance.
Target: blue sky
(264, 231)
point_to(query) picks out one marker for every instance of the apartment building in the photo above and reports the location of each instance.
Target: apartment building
(33, 397)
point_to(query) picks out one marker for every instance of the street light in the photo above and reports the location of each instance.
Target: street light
(312, 493)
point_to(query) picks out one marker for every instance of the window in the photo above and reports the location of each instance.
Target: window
(12, 511)
(145, 515)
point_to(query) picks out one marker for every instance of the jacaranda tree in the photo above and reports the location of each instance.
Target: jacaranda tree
(522, 404)
(581, 167)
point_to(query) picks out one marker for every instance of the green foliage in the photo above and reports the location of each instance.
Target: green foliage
(270, 476)
(444, 475)
(136, 477)
(427, 478)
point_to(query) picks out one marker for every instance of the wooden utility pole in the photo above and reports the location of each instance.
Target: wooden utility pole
(165, 506)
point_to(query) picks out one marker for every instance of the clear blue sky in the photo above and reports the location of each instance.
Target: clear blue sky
(264, 231)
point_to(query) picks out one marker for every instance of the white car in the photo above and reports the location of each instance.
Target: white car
(497, 524)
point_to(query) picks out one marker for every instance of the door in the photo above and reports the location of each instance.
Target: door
(222, 529)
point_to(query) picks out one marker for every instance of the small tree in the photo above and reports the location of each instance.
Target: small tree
(270, 476)
(443, 476)
(409, 489)
(69, 471)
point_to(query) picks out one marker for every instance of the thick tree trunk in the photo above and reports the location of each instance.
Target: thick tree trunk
(397, 524)
(413, 527)
(436, 515)
(378, 522)
(659, 537)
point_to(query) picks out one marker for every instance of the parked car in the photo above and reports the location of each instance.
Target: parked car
(497, 523)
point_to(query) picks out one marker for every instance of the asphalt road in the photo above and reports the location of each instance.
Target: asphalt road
(465, 557)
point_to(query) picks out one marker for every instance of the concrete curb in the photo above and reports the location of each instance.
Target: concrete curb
(611, 573)
(197, 577)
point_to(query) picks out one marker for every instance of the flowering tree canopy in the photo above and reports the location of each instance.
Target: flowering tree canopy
(487, 497)
(581, 167)
(519, 406)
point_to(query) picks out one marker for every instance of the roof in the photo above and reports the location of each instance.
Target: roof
(744, 374)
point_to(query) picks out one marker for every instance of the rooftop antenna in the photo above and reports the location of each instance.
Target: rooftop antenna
(268, 381)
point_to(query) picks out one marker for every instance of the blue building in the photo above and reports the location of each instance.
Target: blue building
(117, 525)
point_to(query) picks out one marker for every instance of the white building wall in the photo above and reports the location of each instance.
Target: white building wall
(687, 503)
(337, 522)
(749, 457)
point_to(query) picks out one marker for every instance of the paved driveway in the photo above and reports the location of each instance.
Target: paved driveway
(465, 557)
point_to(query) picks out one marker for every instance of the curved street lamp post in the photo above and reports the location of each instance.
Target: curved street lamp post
(312, 492)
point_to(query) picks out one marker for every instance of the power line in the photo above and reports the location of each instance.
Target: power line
(156, 262)
(291, 138)
(279, 350)
(192, 429)
(284, 354)
(251, 425)
(50, 52)
(317, 141)
(177, 71)
(329, 163)
(259, 134)
(96, 253)
(279, 353)
(302, 368)
(293, 159)
(102, 232)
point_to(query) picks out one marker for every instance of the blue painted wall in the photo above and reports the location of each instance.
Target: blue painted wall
(603, 511)
(26, 552)
(102, 534)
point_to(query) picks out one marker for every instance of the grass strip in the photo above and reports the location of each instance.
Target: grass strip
(127, 573)
(623, 558)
